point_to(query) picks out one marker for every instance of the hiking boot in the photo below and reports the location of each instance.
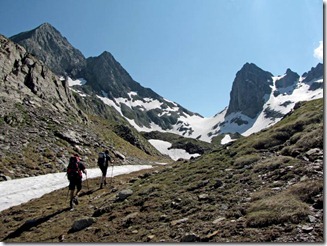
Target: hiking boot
(101, 186)
(75, 200)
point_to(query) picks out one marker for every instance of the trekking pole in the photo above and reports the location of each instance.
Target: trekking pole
(88, 188)
(67, 193)
(112, 175)
(87, 183)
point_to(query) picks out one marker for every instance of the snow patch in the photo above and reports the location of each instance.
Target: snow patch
(175, 154)
(227, 138)
(18, 191)
(79, 81)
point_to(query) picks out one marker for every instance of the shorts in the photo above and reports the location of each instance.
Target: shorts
(76, 181)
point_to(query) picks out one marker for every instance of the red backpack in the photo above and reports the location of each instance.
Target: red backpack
(73, 170)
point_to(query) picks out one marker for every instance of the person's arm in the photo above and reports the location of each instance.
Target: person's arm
(82, 167)
(109, 158)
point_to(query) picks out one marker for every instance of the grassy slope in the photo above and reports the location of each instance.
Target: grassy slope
(32, 146)
(260, 189)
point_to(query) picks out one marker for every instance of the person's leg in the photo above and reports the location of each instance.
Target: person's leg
(78, 186)
(78, 189)
(104, 174)
(71, 190)
(103, 177)
(101, 182)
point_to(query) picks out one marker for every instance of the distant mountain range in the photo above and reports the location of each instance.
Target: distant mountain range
(258, 99)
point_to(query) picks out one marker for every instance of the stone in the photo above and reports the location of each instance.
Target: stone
(203, 197)
(82, 224)
(150, 237)
(129, 219)
(307, 229)
(218, 183)
(312, 219)
(122, 195)
(216, 221)
(180, 221)
(190, 238)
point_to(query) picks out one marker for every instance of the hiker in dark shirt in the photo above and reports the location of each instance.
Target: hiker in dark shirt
(74, 173)
(103, 165)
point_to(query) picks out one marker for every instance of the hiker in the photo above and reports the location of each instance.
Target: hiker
(74, 174)
(103, 163)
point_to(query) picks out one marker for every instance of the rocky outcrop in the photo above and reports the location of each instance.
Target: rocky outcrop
(315, 73)
(25, 78)
(250, 86)
(54, 50)
(290, 78)
(105, 74)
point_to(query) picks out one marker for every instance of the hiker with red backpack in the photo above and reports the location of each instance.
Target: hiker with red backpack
(103, 163)
(74, 175)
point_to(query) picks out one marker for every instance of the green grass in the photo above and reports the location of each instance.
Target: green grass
(276, 209)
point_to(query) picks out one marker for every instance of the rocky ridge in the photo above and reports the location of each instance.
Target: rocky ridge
(104, 76)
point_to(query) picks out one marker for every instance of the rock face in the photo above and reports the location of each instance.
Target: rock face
(104, 73)
(315, 73)
(34, 102)
(53, 49)
(24, 77)
(249, 88)
(290, 78)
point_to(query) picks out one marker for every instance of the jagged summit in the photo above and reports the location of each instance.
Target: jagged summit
(47, 43)
(249, 87)
(44, 28)
(315, 73)
(290, 78)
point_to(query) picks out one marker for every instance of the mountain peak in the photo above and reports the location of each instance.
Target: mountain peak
(46, 28)
(290, 78)
(45, 25)
(53, 49)
(250, 86)
(314, 73)
(106, 55)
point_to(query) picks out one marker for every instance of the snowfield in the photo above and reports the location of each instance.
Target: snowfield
(175, 154)
(18, 191)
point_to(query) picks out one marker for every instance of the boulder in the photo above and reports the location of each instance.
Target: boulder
(82, 224)
(122, 195)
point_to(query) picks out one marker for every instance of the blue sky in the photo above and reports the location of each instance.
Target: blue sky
(187, 51)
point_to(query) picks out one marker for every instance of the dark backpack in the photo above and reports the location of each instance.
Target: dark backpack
(101, 159)
(73, 168)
